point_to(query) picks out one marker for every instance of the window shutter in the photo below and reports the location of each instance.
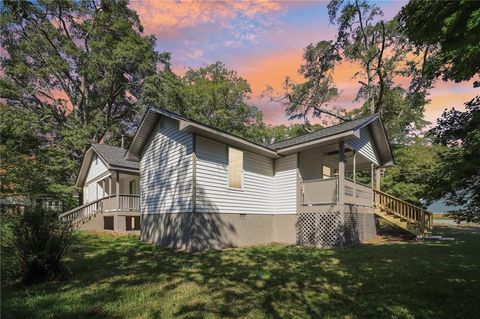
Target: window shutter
(235, 168)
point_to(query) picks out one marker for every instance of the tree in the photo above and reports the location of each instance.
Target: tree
(277, 133)
(314, 94)
(79, 67)
(459, 178)
(383, 55)
(416, 169)
(449, 32)
(213, 95)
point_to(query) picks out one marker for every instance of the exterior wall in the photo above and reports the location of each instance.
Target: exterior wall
(97, 168)
(364, 145)
(212, 191)
(198, 231)
(285, 185)
(285, 229)
(166, 170)
(311, 164)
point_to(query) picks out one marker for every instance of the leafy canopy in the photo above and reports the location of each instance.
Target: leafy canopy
(450, 31)
(213, 95)
(76, 69)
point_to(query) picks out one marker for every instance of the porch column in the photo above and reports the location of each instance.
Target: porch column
(378, 178)
(372, 174)
(117, 191)
(341, 174)
(354, 175)
(103, 187)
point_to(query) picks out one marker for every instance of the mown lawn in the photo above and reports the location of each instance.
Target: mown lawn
(120, 277)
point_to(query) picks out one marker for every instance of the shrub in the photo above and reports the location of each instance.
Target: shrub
(41, 241)
(9, 262)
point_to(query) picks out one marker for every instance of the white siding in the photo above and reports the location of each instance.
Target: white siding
(285, 185)
(97, 167)
(91, 192)
(166, 170)
(213, 194)
(364, 145)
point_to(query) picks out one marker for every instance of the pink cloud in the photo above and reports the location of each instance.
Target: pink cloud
(165, 18)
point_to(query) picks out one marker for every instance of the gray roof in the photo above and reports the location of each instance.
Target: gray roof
(325, 132)
(114, 156)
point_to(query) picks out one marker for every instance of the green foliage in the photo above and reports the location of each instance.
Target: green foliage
(459, 172)
(9, 261)
(213, 95)
(315, 93)
(41, 242)
(449, 32)
(74, 71)
(415, 170)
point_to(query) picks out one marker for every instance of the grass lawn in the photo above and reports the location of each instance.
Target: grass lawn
(120, 277)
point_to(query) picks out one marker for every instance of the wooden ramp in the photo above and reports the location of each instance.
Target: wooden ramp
(412, 218)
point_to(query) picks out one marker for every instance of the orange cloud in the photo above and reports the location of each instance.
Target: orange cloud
(166, 17)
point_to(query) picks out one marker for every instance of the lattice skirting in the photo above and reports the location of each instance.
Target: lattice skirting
(327, 229)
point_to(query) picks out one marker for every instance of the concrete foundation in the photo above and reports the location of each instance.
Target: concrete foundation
(96, 222)
(198, 231)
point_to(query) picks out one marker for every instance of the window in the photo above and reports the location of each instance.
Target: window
(326, 172)
(235, 168)
(132, 186)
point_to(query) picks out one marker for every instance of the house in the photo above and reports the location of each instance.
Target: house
(18, 203)
(110, 184)
(201, 187)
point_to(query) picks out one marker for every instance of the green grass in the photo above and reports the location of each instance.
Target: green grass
(120, 277)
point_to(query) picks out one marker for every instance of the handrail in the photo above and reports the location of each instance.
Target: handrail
(80, 207)
(127, 202)
(400, 208)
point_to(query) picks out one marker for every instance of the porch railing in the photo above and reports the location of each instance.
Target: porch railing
(124, 203)
(357, 193)
(412, 214)
(319, 191)
(325, 191)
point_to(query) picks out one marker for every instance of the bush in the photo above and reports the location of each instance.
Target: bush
(41, 241)
(9, 261)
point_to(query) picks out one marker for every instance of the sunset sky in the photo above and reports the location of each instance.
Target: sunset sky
(263, 41)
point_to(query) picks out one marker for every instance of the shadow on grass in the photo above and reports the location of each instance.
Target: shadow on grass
(122, 277)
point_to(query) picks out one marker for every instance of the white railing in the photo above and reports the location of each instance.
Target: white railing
(358, 194)
(124, 202)
(319, 191)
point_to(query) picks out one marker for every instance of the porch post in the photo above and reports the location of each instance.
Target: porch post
(341, 174)
(354, 175)
(378, 178)
(118, 190)
(372, 172)
(103, 187)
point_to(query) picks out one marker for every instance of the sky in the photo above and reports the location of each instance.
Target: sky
(263, 41)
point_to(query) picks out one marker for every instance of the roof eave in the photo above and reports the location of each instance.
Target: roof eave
(306, 145)
(205, 131)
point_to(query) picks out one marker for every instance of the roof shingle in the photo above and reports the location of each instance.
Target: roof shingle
(328, 131)
(115, 156)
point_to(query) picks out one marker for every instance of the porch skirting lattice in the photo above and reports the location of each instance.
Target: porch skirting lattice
(328, 229)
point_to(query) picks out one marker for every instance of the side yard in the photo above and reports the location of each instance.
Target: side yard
(121, 277)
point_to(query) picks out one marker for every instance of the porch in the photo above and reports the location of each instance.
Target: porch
(112, 202)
